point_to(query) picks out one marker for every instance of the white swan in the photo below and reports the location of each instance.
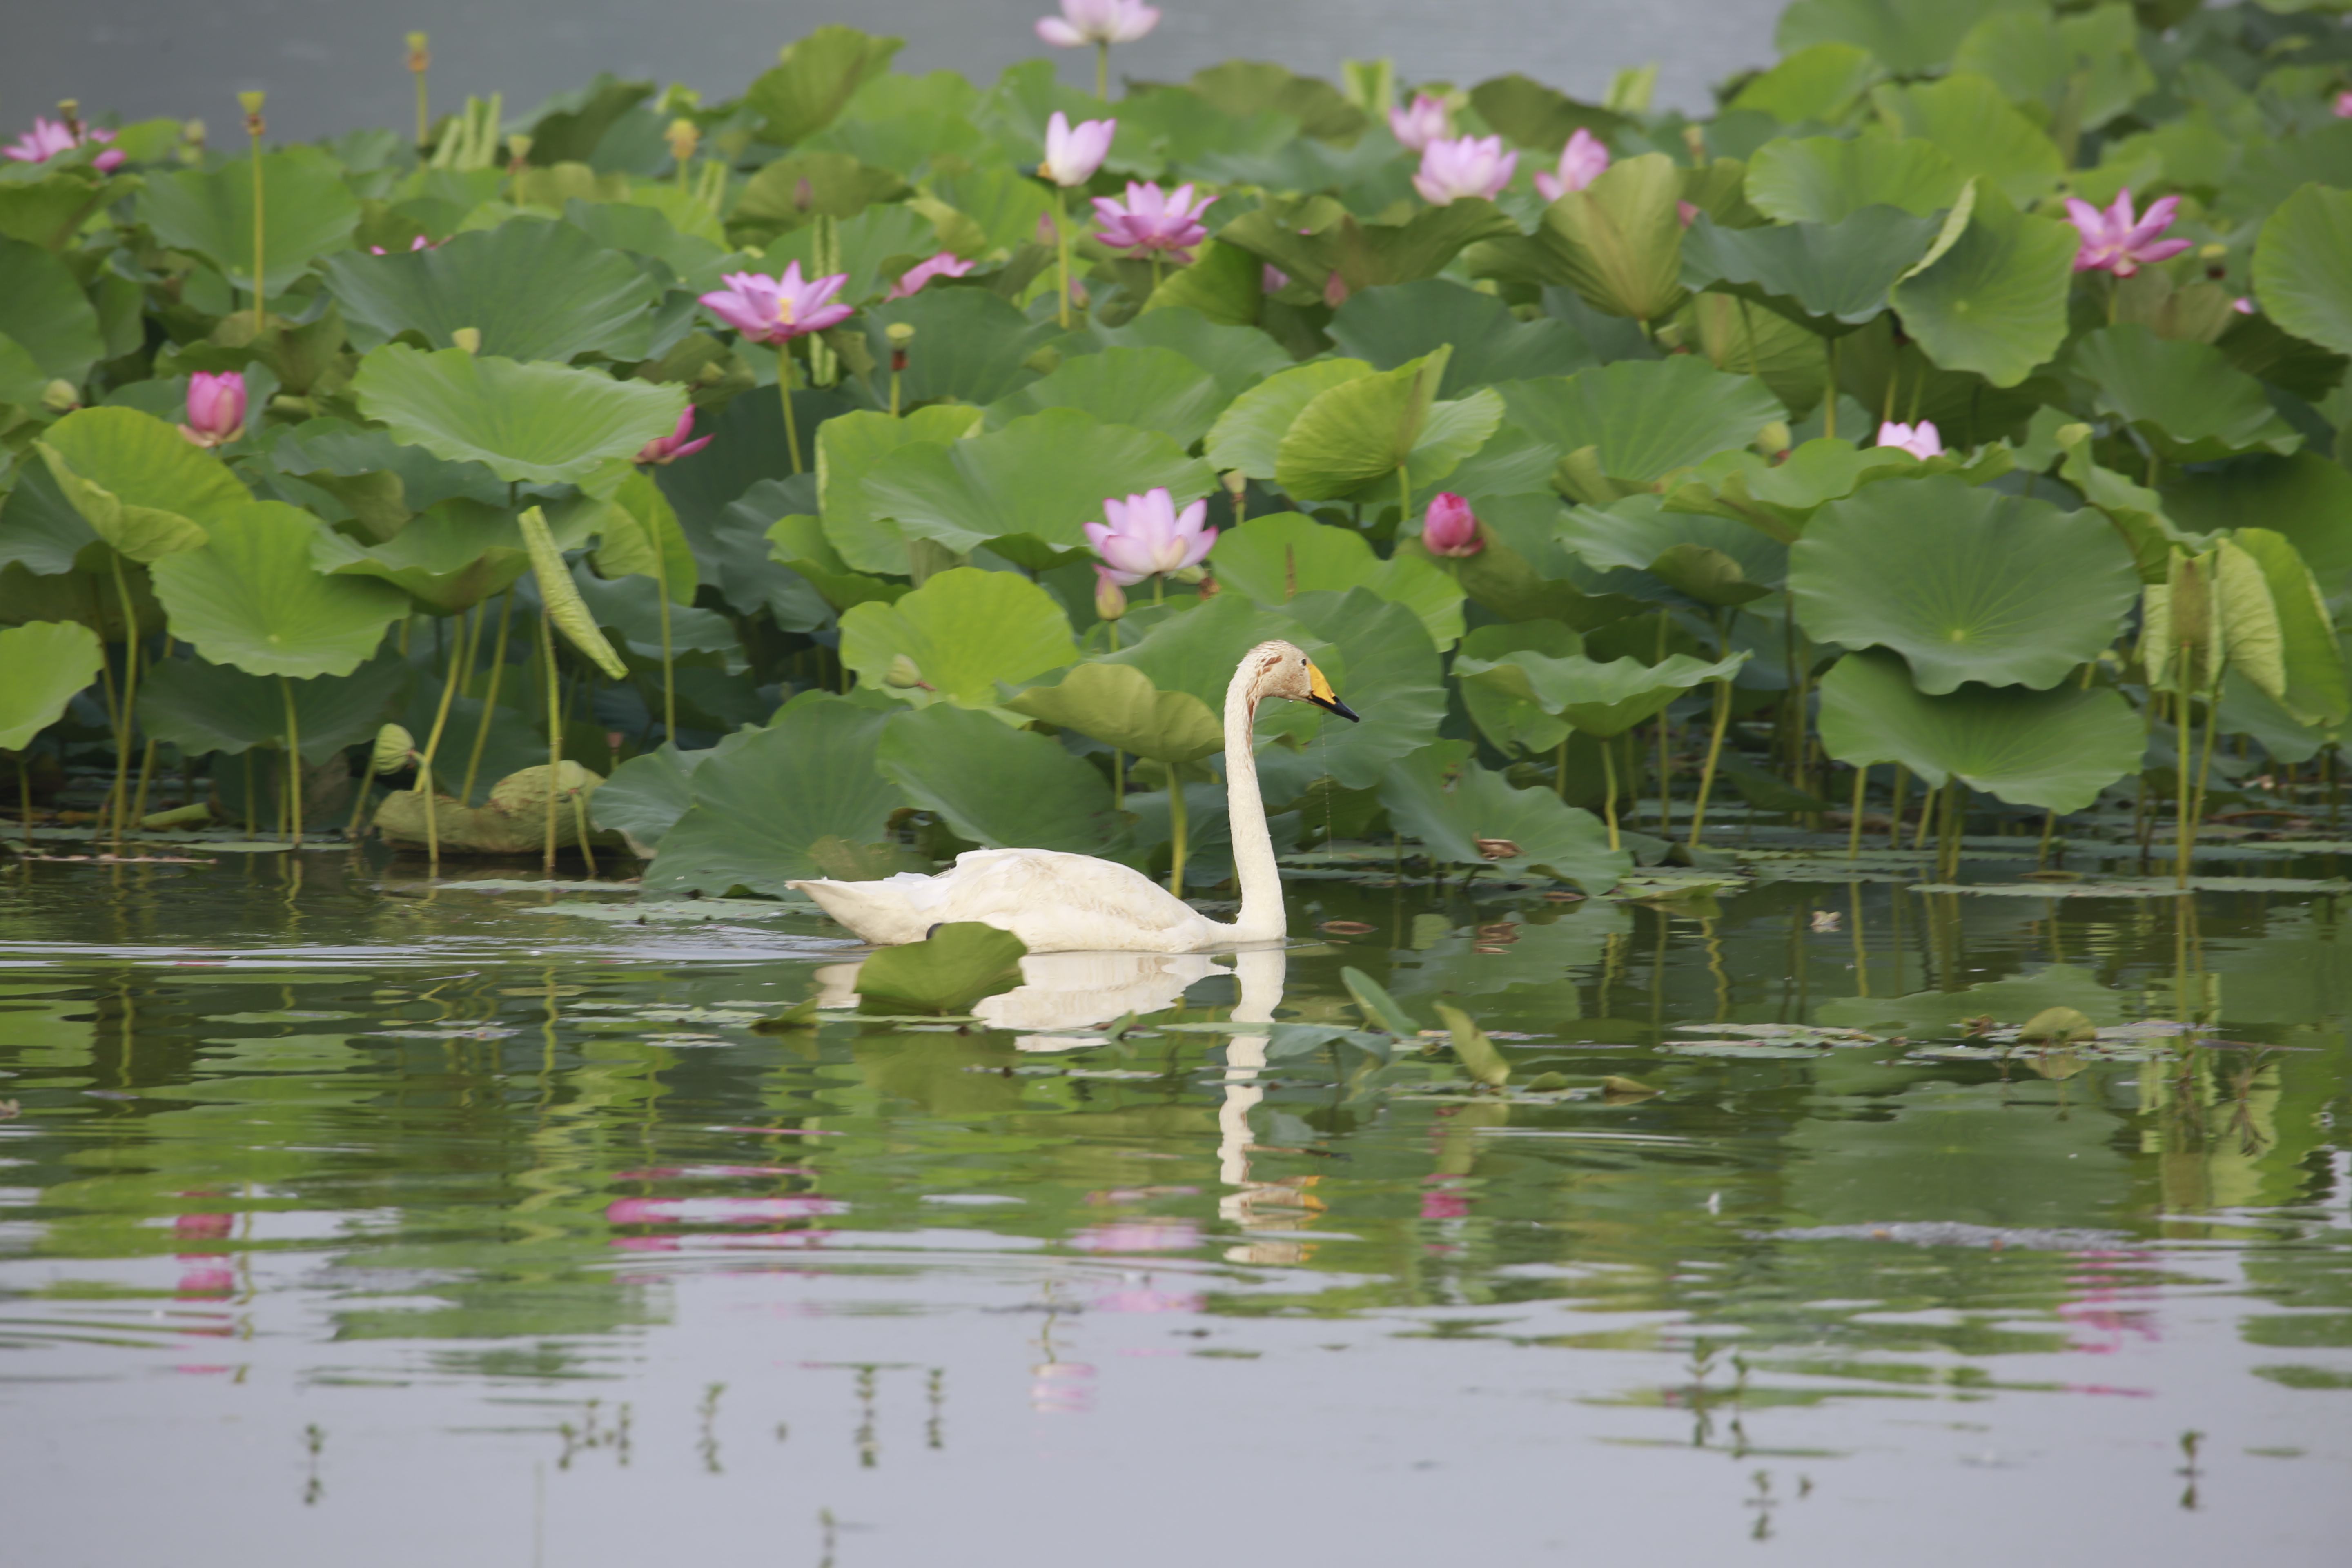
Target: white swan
(1058, 902)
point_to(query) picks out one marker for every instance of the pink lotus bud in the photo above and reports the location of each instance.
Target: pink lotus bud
(2344, 106)
(1450, 527)
(1420, 123)
(216, 408)
(1072, 153)
(2243, 305)
(1111, 599)
(1686, 211)
(1466, 166)
(1581, 161)
(1084, 22)
(1336, 290)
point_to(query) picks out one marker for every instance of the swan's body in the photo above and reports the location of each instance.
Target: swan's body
(1059, 902)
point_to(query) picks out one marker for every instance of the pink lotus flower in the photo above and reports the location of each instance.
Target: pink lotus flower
(1465, 166)
(778, 310)
(1084, 22)
(1073, 153)
(1152, 222)
(667, 449)
(1272, 279)
(1686, 211)
(216, 408)
(1450, 527)
(2344, 106)
(1137, 1236)
(1920, 440)
(419, 243)
(1580, 164)
(946, 264)
(1110, 600)
(2243, 305)
(1424, 120)
(1147, 536)
(47, 138)
(2114, 241)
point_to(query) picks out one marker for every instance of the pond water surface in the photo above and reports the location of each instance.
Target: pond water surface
(357, 1219)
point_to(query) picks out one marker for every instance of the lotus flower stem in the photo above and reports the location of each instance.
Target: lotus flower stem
(1609, 797)
(420, 58)
(1176, 825)
(2041, 850)
(1713, 756)
(450, 679)
(1560, 776)
(1062, 249)
(554, 726)
(1854, 831)
(784, 395)
(146, 776)
(293, 760)
(669, 679)
(254, 126)
(580, 826)
(1926, 820)
(126, 717)
(491, 697)
(1948, 857)
(1666, 774)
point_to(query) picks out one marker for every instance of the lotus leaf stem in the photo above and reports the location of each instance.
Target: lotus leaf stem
(1062, 249)
(1894, 811)
(670, 677)
(784, 395)
(1609, 797)
(127, 717)
(555, 725)
(146, 776)
(1854, 828)
(580, 825)
(491, 697)
(293, 760)
(453, 676)
(1176, 828)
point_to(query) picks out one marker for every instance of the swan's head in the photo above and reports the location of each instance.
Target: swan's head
(1281, 670)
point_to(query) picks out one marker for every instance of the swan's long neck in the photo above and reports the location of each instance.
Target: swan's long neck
(1261, 918)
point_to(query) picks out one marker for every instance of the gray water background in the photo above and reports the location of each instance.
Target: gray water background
(331, 65)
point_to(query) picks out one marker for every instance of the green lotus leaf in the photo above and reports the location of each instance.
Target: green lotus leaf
(1644, 418)
(684, 236)
(787, 193)
(308, 211)
(1118, 705)
(2137, 512)
(1386, 327)
(2315, 688)
(1676, 557)
(800, 543)
(1275, 559)
(47, 663)
(862, 245)
(2051, 750)
(1816, 81)
(648, 794)
(1335, 243)
(571, 126)
(2086, 66)
(803, 797)
(1909, 37)
(532, 291)
(1617, 242)
(849, 448)
(43, 308)
(532, 424)
(1516, 724)
(1146, 389)
(559, 595)
(22, 380)
(1237, 357)
(1821, 276)
(628, 609)
(1828, 179)
(1440, 796)
(1001, 788)
(2298, 266)
(2185, 397)
(202, 707)
(969, 345)
(961, 632)
(638, 535)
(381, 482)
(1996, 302)
(41, 529)
(449, 557)
(1601, 699)
(957, 965)
(1967, 584)
(49, 212)
(1359, 434)
(1531, 114)
(1247, 437)
(248, 597)
(137, 481)
(1044, 477)
(1979, 130)
(2304, 497)
(815, 79)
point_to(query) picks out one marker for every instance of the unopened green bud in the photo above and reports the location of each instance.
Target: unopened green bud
(396, 748)
(1773, 438)
(902, 675)
(60, 397)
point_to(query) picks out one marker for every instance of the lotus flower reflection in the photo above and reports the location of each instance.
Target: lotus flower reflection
(1147, 536)
(1149, 222)
(2114, 241)
(1465, 166)
(49, 138)
(778, 310)
(216, 408)
(1580, 163)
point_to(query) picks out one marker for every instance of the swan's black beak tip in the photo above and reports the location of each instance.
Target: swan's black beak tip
(1336, 706)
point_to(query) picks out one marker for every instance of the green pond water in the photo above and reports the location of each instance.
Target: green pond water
(353, 1220)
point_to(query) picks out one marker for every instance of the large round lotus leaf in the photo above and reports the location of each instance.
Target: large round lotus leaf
(1248, 436)
(1462, 813)
(1996, 302)
(2304, 497)
(2054, 750)
(1967, 584)
(1236, 358)
(1516, 724)
(1118, 705)
(1405, 322)
(849, 447)
(1354, 437)
(1816, 273)
(803, 797)
(1275, 558)
(1150, 389)
(815, 79)
(2299, 272)
(43, 308)
(1602, 699)
(249, 596)
(535, 424)
(307, 211)
(1828, 179)
(957, 636)
(1617, 242)
(648, 794)
(534, 290)
(382, 481)
(48, 662)
(1979, 130)
(2088, 65)
(1000, 787)
(2185, 397)
(450, 557)
(137, 481)
(960, 964)
(201, 707)
(1645, 417)
(969, 344)
(1044, 477)
(1681, 557)
(1818, 81)
(22, 380)
(1906, 35)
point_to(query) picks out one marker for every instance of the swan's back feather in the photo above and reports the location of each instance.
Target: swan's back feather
(1054, 901)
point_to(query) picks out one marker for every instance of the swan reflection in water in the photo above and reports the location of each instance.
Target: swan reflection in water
(1062, 991)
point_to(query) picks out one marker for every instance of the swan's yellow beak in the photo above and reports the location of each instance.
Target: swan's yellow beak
(1319, 692)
